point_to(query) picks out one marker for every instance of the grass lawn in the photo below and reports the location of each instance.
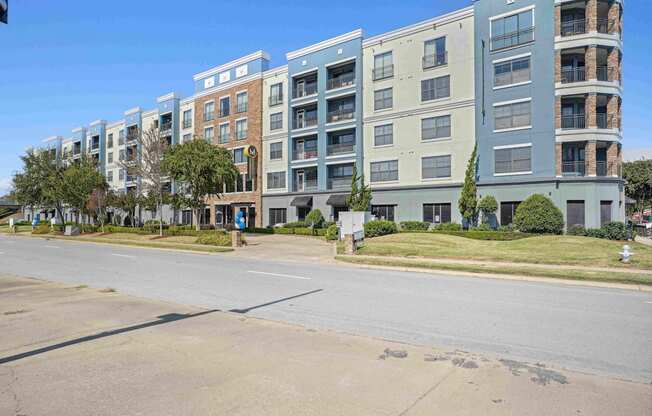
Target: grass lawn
(565, 250)
(19, 228)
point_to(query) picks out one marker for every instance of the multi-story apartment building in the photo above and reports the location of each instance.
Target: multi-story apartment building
(548, 98)
(418, 117)
(228, 113)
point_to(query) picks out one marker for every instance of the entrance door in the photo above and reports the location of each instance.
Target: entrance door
(300, 148)
(301, 183)
(301, 119)
(301, 88)
(219, 215)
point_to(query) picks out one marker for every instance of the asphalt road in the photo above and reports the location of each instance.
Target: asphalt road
(594, 330)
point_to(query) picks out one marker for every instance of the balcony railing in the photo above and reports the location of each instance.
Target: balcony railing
(275, 100)
(433, 60)
(95, 147)
(304, 154)
(166, 126)
(341, 182)
(573, 75)
(307, 122)
(343, 80)
(132, 137)
(601, 168)
(340, 115)
(574, 121)
(515, 38)
(604, 121)
(382, 72)
(340, 149)
(573, 27)
(187, 124)
(308, 89)
(308, 185)
(606, 26)
(573, 168)
(606, 73)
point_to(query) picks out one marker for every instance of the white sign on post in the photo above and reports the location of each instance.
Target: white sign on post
(352, 222)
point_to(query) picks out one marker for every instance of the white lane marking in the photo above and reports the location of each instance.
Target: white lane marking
(51, 246)
(279, 275)
(645, 301)
(123, 255)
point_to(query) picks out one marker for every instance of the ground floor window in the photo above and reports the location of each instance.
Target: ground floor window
(437, 213)
(507, 212)
(575, 214)
(605, 212)
(186, 217)
(277, 216)
(383, 212)
(221, 214)
(302, 212)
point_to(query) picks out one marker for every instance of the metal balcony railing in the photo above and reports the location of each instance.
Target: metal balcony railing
(601, 168)
(306, 90)
(604, 121)
(224, 138)
(606, 26)
(343, 80)
(224, 112)
(382, 72)
(574, 121)
(340, 149)
(573, 168)
(573, 75)
(307, 185)
(573, 27)
(307, 122)
(187, 124)
(304, 154)
(275, 100)
(606, 73)
(434, 60)
(166, 126)
(340, 115)
(340, 182)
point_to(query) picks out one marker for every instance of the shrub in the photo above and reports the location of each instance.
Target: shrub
(314, 218)
(258, 230)
(327, 224)
(576, 230)
(41, 229)
(539, 215)
(504, 228)
(283, 230)
(378, 228)
(321, 232)
(303, 231)
(296, 224)
(447, 226)
(218, 238)
(594, 232)
(475, 234)
(332, 232)
(488, 205)
(485, 226)
(88, 228)
(615, 231)
(414, 226)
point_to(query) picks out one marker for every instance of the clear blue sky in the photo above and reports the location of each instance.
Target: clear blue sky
(67, 63)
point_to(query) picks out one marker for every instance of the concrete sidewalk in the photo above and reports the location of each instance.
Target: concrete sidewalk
(77, 351)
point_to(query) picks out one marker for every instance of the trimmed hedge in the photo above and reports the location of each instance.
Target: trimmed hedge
(447, 226)
(414, 226)
(487, 235)
(377, 228)
(539, 215)
(283, 230)
(611, 231)
(41, 229)
(220, 239)
(332, 232)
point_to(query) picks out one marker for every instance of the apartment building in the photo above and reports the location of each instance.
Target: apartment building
(228, 113)
(419, 117)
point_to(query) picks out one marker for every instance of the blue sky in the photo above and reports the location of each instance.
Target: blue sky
(67, 63)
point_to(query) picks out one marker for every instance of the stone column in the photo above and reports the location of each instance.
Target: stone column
(612, 112)
(558, 20)
(590, 110)
(590, 157)
(591, 15)
(615, 23)
(558, 112)
(558, 158)
(613, 63)
(612, 159)
(591, 62)
(558, 65)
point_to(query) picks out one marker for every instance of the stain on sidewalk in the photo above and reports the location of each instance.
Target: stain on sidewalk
(540, 374)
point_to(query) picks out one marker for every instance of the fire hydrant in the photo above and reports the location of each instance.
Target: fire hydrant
(625, 254)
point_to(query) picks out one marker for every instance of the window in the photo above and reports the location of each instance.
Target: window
(384, 171)
(238, 156)
(605, 212)
(241, 129)
(109, 141)
(436, 167)
(121, 155)
(275, 180)
(511, 116)
(383, 99)
(513, 30)
(239, 184)
(437, 213)
(110, 157)
(383, 67)
(186, 138)
(276, 151)
(276, 94)
(575, 214)
(209, 111)
(277, 216)
(276, 121)
(383, 212)
(435, 127)
(434, 53)
(121, 174)
(384, 135)
(187, 119)
(513, 160)
(109, 176)
(224, 133)
(225, 106)
(186, 217)
(209, 134)
(121, 137)
(507, 212)
(434, 88)
(302, 213)
(241, 102)
(511, 72)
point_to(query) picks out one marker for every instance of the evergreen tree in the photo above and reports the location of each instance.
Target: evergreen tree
(468, 203)
(360, 196)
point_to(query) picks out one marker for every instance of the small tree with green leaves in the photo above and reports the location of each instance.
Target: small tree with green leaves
(488, 207)
(81, 179)
(315, 218)
(468, 202)
(360, 196)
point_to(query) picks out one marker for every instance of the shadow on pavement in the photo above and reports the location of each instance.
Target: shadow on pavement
(276, 301)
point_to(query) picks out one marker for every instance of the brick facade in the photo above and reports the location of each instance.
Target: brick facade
(558, 158)
(590, 110)
(613, 112)
(613, 63)
(558, 65)
(590, 157)
(615, 18)
(591, 16)
(558, 20)
(613, 159)
(591, 62)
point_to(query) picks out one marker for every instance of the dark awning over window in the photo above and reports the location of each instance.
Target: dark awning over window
(336, 200)
(302, 201)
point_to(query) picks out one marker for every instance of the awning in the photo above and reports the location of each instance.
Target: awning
(336, 200)
(302, 201)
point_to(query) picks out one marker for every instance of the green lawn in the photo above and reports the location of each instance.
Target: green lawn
(565, 250)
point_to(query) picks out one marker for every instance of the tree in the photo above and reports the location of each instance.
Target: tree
(315, 218)
(127, 202)
(538, 214)
(97, 203)
(360, 196)
(488, 207)
(201, 169)
(80, 179)
(468, 202)
(147, 164)
(638, 186)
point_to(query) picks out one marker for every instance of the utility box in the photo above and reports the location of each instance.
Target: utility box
(71, 230)
(352, 223)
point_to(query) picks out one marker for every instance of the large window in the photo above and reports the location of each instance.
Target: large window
(507, 212)
(437, 213)
(109, 176)
(209, 111)
(384, 171)
(383, 66)
(187, 119)
(276, 94)
(238, 156)
(276, 121)
(575, 214)
(383, 99)
(511, 72)
(436, 167)
(110, 157)
(224, 133)
(276, 151)
(209, 134)
(384, 135)
(435, 127)
(241, 102)
(513, 160)
(277, 216)
(275, 180)
(434, 53)
(434, 88)
(513, 30)
(511, 116)
(225, 106)
(605, 212)
(383, 212)
(241, 129)
(109, 141)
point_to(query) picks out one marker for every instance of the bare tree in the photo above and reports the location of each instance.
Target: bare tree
(146, 163)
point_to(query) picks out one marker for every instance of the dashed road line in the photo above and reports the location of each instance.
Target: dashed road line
(289, 276)
(123, 255)
(52, 246)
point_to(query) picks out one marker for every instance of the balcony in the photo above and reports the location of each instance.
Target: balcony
(242, 107)
(340, 114)
(342, 182)
(606, 26)
(241, 134)
(187, 124)
(382, 72)
(223, 138)
(304, 90)
(166, 126)
(305, 180)
(340, 149)
(275, 100)
(304, 154)
(570, 75)
(604, 121)
(607, 74)
(341, 76)
(434, 60)
(573, 168)
(573, 121)
(573, 27)
(209, 116)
